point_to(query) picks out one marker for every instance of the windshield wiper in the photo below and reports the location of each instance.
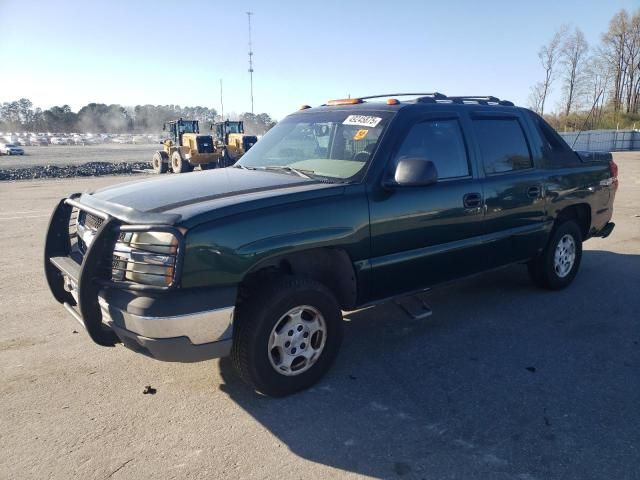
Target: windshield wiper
(285, 168)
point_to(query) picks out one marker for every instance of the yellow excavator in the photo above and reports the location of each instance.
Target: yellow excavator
(185, 148)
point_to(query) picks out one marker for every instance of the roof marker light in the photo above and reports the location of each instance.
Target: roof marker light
(393, 101)
(304, 107)
(344, 101)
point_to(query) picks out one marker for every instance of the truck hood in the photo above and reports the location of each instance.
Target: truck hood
(173, 199)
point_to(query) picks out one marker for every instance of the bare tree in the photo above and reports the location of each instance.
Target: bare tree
(536, 97)
(632, 58)
(548, 56)
(613, 42)
(573, 56)
(597, 84)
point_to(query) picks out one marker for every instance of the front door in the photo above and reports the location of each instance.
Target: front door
(427, 234)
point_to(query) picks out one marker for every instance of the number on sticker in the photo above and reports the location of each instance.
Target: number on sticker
(362, 121)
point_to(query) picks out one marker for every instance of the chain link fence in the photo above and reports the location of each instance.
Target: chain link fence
(603, 140)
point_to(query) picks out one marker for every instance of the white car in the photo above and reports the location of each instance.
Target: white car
(10, 149)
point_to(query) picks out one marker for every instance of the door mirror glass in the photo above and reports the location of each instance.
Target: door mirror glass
(413, 172)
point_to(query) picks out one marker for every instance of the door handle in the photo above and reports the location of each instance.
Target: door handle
(472, 200)
(534, 192)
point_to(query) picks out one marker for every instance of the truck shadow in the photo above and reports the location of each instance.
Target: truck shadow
(503, 381)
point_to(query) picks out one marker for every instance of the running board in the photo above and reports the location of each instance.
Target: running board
(414, 305)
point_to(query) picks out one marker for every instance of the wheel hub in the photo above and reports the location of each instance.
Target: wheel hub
(564, 256)
(297, 340)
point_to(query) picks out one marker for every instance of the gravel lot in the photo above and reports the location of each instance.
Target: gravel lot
(503, 382)
(78, 154)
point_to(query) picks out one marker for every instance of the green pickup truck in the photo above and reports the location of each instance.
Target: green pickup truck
(357, 202)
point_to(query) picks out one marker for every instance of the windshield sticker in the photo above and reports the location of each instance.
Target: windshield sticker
(362, 120)
(361, 134)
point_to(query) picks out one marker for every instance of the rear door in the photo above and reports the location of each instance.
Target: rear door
(428, 234)
(515, 222)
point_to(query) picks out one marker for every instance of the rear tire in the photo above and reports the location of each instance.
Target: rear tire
(557, 266)
(160, 162)
(305, 316)
(179, 164)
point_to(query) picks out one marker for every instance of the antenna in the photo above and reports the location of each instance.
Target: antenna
(250, 58)
(221, 103)
(584, 124)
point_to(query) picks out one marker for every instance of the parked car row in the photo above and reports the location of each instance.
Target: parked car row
(44, 139)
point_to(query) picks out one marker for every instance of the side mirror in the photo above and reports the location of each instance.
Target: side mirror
(413, 172)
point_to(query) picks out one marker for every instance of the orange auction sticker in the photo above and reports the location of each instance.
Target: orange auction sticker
(360, 134)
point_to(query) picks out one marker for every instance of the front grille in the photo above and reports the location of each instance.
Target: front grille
(204, 143)
(248, 141)
(91, 221)
(134, 257)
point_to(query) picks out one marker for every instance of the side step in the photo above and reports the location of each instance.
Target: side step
(414, 305)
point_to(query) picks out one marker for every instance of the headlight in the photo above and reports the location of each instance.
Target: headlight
(148, 258)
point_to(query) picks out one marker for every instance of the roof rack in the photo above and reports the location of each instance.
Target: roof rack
(483, 100)
(433, 94)
(432, 97)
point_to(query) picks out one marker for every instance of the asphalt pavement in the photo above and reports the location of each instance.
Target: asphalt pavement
(504, 381)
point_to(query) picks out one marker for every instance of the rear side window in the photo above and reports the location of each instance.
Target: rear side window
(503, 145)
(441, 142)
(554, 150)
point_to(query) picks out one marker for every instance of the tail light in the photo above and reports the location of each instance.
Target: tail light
(613, 168)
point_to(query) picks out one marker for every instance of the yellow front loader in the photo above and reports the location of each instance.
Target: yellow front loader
(185, 148)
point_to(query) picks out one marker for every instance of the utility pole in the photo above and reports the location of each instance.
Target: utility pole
(250, 59)
(221, 103)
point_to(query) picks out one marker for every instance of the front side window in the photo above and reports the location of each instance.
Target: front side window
(503, 145)
(331, 144)
(441, 142)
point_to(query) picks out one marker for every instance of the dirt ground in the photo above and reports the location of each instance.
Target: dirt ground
(504, 381)
(78, 154)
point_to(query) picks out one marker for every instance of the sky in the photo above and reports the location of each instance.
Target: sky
(159, 52)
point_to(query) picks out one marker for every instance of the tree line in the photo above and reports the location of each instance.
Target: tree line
(599, 84)
(20, 115)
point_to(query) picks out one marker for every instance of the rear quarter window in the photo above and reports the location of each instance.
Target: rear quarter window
(555, 152)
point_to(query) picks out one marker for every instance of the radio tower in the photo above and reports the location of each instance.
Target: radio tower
(250, 59)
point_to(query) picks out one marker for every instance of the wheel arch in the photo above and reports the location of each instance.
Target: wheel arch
(581, 213)
(330, 266)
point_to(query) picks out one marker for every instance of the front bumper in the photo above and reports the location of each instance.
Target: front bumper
(170, 324)
(182, 338)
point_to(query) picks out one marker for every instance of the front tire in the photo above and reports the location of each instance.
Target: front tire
(226, 160)
(557, 266)
(160, 162)
(286, 335)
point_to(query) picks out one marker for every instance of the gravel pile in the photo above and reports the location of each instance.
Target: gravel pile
(92, 169)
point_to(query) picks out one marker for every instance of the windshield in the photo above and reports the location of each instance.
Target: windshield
(187, 127)
(233, 127)
(332, 144)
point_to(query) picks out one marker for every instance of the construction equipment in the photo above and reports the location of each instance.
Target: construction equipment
(185, 148)
(229, 138)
